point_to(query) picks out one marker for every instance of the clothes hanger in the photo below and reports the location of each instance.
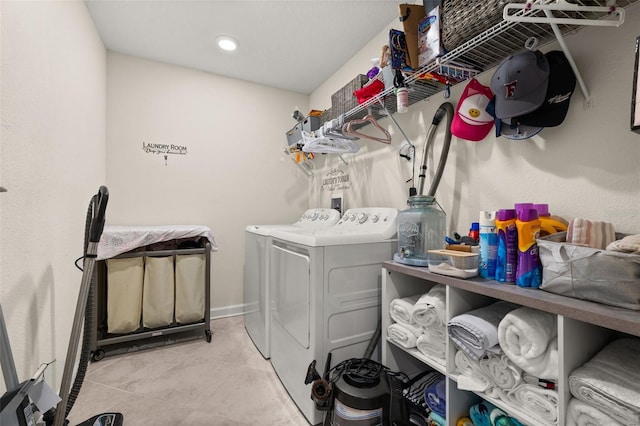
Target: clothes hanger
(347, 129)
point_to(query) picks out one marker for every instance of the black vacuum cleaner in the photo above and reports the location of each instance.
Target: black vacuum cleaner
(16, 406)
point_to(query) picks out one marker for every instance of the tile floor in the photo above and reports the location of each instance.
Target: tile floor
(222, 383)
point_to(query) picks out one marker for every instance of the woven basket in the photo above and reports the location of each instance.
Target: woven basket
(462, 20)
(344, 100)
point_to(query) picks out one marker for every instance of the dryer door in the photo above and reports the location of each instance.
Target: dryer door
(290, 274)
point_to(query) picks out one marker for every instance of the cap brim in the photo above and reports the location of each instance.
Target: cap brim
(470, 132)
(518, 132)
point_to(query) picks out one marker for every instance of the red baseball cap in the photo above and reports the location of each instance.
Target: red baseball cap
(471, 120)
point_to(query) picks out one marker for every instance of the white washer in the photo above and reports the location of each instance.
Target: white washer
(326, 293)
(257, 318)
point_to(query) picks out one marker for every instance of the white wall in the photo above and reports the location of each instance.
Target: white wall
(52, 162)
(233, 173)
(588, 167)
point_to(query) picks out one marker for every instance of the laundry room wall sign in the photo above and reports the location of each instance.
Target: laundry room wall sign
(336, 179)
(164, 149)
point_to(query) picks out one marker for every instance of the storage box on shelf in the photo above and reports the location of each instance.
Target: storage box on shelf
(583, 329)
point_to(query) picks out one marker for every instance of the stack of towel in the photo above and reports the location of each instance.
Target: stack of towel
(476, 332)
(609, 383)
(512, 370)
(420, 323)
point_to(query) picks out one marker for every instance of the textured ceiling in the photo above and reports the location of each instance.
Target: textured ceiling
(293, 45)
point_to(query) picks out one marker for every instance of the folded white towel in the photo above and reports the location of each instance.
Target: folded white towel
(404, 334)
(582, 414)
(535, 401)
(501, 371)
(476, 332)
(628, 244)
(401, 310)
(610, 381)
(433, 346)
(529, 338)
(430, 309)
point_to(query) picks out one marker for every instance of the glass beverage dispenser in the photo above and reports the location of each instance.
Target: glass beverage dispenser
(421, 227)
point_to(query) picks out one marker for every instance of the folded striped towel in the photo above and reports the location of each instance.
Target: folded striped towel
(590, 233)
(401, 310)
(476, 332)
(429, 310)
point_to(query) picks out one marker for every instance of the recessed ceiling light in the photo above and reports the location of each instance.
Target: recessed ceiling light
(227, 43)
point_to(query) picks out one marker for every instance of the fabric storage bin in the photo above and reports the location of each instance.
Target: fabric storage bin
(158, 292)
(124, 294)
(190, 289)
(602, 276)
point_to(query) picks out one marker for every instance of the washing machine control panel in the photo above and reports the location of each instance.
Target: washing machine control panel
(369, 220)
(320, 218)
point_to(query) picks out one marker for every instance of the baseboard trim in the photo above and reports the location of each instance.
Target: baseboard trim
(227, 311)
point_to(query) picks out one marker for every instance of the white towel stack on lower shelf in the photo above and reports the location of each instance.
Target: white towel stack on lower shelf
(504, 372)
(420, 323)
(582, 414)
(610, 382)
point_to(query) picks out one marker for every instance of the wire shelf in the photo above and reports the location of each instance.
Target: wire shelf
(485, 51)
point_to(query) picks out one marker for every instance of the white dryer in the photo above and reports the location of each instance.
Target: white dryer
(326, 293)
(257, 318)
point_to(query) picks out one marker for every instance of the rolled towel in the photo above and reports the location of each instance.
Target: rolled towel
(501, 371)
(582, 414)
(590, 233)
(480, 413)
(432, 346)
(476, 332)
(435, 395)
(404, 334)
(430, 308)
(401, 310)
(535, 401)
(610, 381)
(438, 419)
(471, 377)
(529, 338)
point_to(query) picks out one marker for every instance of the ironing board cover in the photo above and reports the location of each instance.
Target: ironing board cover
(120, 239)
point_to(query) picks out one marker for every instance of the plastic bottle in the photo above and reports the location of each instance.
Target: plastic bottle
(507, 257)
(474, 231)
(488, 244)
(529, 270)
(548, 224)
(402, 99)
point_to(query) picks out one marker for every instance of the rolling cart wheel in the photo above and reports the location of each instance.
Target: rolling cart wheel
(207, 335)
(98, 355)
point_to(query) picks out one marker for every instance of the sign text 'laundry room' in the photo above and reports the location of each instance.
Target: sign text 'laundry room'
(164, 149)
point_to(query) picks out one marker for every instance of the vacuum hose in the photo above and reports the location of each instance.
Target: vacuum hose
(445, 108)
